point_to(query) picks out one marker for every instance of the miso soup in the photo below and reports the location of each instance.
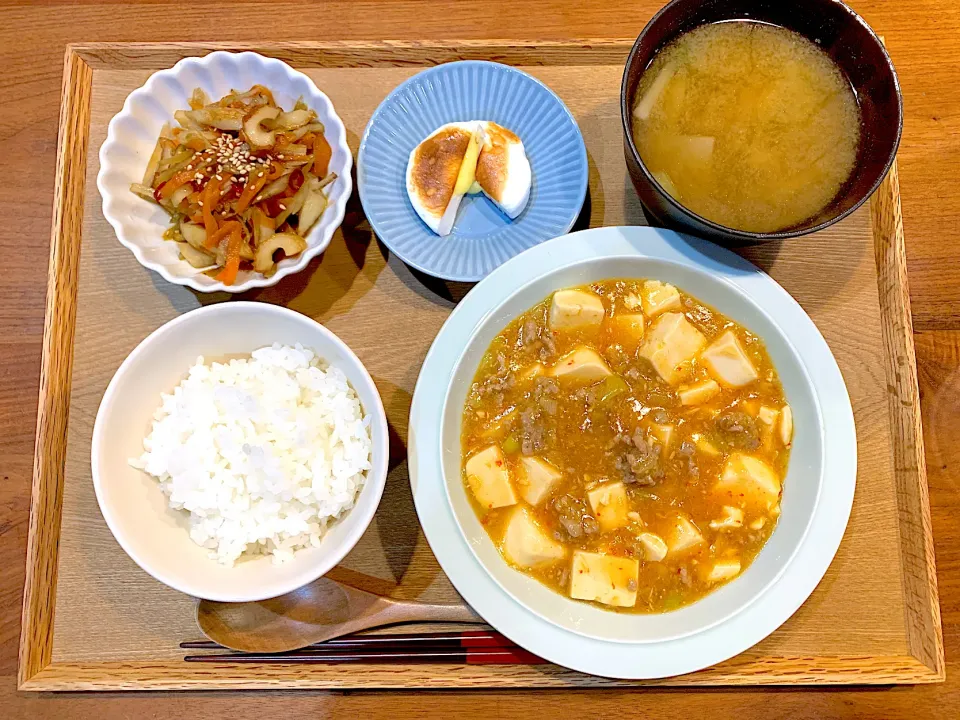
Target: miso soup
(746, 124)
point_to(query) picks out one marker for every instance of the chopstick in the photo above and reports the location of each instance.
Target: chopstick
(491, 656)
(473, 647)
(464, 639)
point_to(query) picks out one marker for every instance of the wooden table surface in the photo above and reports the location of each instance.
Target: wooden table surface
(923, 37)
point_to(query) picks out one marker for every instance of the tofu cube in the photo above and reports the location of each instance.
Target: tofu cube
(582, 365)
(526, 545)
(747, 481)
(663, 433)
(723, 570)
(489, 479)
(536, 479)
(698, 393)
(630, 329)
(768, 415)
(654, 548)
(670, 346)
(727, 361)
(572, 309)
(704, 445)
(659, 297)
(786, 425)
(531, 372)
(732, 518)
(609, 505)
(684, 535)
(604, 578)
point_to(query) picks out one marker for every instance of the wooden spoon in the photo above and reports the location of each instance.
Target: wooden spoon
(317, 612)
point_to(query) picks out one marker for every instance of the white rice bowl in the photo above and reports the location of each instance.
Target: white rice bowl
(262, 452)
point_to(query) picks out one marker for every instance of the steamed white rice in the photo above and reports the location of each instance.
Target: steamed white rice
(262, 452)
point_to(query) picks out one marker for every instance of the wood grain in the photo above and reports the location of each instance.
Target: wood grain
(358, 290)
(924, 40)
(54, 403)
(916, 535)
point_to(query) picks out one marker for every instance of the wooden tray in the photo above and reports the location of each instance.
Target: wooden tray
(92, 620)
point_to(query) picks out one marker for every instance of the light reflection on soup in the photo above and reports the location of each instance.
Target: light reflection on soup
(625, 444)
(746, 124)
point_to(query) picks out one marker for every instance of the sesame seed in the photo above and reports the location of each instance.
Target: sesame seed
(281, 206)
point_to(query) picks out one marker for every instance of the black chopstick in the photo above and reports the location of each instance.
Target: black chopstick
(464, 639)
(487, 656)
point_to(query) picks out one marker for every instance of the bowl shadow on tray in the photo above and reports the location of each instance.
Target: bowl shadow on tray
(450, 292)
(394, 538)
(834, 273)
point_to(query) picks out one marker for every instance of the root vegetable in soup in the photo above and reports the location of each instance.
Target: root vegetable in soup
(749, 125)
(625, 444)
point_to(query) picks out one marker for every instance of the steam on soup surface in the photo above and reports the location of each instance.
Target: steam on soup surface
(625, 444)
(749, 125)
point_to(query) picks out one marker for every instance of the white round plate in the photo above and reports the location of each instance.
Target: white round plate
(132, 135)
(818, 488)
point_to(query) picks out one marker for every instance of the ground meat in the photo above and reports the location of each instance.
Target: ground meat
(548, 347)
(588, 396)
(738, 430)
(686, 454)
(684, 576)
(574, 518)
(549, 405)
(633, 374)
(641, 463)
(528, 333)
(546, 386)
(531, 440)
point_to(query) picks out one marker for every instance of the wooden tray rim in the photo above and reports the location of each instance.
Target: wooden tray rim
(38, 672)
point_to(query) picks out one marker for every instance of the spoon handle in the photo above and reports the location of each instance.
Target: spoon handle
(430, 612)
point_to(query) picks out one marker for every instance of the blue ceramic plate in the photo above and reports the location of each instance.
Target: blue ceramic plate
(483, 237)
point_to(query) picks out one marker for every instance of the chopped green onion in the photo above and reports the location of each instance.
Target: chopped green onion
(511, 445)
(613, 385)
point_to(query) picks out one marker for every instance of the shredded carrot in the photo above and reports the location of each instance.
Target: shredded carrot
(254, 185)
(175, 183)
(232, 265)
(321, 155)
(213, 239)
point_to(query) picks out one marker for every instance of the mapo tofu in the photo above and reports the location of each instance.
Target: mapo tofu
(625, 444)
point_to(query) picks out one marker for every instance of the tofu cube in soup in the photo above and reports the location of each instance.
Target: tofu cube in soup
(698, 393)
(659, 297)
(605, 579)
(583, 365)
(786, 425)
(671, 344)
(747, 481)
(573, 309)
(723, 570)
(489, 478)
(526, 545)
(663, 433)
(609, 505)
(728, 363)
(536, 479)
(684, 535)
(654, 548)
(732, 518)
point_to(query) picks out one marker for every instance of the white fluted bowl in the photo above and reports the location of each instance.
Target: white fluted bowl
(132, 135)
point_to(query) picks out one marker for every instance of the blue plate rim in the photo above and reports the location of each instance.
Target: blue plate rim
(584, 180)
